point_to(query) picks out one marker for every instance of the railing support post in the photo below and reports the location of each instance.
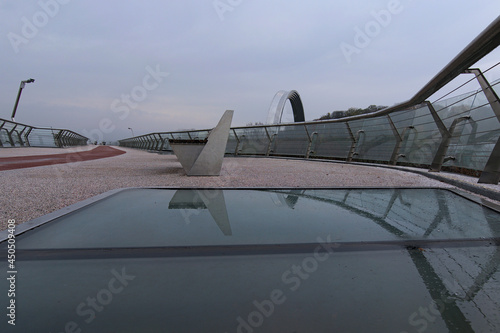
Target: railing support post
(237, 143)
(438, 160)
(399, 140)
(20, 136)
(162, 140)
(158, 142)
(1, 126)
(149, 142)
(56, 139)
(353, 143)
(359, 133)
(309, 139)
(491, 172)
(154, 143)
(9, 134)
(271, 139)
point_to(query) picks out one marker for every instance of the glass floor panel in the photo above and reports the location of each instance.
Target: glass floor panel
(301, 260)
(160, 217)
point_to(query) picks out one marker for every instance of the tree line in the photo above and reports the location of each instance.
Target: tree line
(352, 111)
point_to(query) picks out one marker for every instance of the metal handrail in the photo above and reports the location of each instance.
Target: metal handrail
(431, 124)
(60, 137)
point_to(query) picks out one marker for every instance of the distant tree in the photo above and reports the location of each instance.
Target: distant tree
(352, 111)
(337, 114)
(326, 116)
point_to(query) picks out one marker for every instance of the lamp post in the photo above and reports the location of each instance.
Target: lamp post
(21, 86)
(130, 128)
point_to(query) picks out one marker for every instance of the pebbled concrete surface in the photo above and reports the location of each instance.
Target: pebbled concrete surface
(33, 192)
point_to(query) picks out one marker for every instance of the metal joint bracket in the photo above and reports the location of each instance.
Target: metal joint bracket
(358, 140)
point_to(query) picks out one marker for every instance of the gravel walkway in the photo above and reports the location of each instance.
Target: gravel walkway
(33, 192)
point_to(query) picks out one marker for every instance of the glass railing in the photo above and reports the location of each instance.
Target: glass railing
(459, 133)
(408, 137)
(14, 134)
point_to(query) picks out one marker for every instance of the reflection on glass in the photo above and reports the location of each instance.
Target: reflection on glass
(198, 199)
(160, 217)
(435, 288)
(289, 200)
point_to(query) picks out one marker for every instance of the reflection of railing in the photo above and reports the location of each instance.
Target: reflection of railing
(397, 212)
(14, 134)
(405, 213)
(415, 132)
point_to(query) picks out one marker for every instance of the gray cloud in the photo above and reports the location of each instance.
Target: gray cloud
(91, 53)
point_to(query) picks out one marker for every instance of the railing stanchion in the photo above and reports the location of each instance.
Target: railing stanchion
(399, 140)
(438, 159)
(353, 143)
(491, 172)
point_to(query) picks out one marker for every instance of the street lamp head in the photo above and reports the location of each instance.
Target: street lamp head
(30, 81)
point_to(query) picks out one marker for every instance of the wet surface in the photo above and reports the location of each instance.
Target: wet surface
(294, 260)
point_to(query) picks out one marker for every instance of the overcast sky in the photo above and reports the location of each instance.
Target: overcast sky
(105, 66)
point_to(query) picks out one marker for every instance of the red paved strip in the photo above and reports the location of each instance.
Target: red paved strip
(19, 162)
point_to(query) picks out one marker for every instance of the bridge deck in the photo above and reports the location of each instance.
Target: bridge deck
(32, 192)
